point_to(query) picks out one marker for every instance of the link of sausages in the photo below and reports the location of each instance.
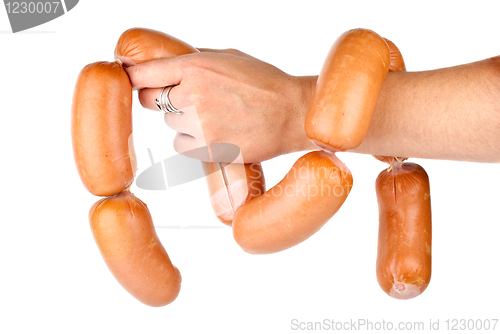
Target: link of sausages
(287, 214)
(404, 254)
(105, 158)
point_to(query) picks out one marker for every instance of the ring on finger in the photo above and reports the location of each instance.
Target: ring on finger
(163, 102)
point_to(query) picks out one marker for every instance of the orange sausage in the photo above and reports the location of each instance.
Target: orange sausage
(230, 186)
(405, 230)
(101, 128)
(138, 45)
(296, 208)
(123, 230)
(347, 90)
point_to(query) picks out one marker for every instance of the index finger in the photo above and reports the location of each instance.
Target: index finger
(157, 73)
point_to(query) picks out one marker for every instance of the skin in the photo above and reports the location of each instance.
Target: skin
(450, 113)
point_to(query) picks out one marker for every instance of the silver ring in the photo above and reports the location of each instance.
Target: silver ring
(163, 103)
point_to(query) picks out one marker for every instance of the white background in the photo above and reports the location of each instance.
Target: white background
(53, 279)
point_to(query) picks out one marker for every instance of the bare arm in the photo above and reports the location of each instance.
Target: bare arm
(450, 113)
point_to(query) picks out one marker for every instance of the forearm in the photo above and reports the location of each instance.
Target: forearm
(451, 113)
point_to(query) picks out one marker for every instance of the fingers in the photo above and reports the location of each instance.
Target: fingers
(186, 123)
(178, 99)
(157, 73)
(184, 143)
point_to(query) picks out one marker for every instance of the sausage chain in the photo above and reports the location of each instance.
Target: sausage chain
(308, 196)
(404, 254)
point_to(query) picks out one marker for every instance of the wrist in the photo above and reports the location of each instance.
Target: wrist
(305, 89)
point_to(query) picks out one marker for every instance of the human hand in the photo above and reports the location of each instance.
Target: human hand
(228, 96)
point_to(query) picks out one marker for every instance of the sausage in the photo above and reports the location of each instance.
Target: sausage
(138, 45)
(347, 90)
(405, 230)
(230, 186)
(101, 128)
(233, 186)
(296, 208)
(123, 230)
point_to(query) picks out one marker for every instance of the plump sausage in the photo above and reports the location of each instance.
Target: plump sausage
(405, 230)
(101, 128)
(230, 186)
(296, 208)
(123, 230)
(138, 45)
(347, 90)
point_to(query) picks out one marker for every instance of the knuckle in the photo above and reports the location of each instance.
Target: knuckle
(178, 143)
(136, 71)
(198, 64)
(233, 51)
(194, 62)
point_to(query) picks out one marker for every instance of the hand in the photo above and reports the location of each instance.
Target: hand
(228, 96)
